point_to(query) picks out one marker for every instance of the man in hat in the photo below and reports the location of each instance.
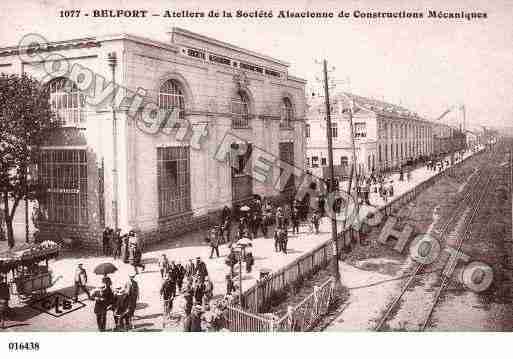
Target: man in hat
(103, 298)
(163, 265)
(120, 309)
(5, 296)
(190, 269)
(196, 319)
(168, 292)
(214, 242)
(132, 289)
(116, 243)
(230, 285)
(201, 269)
(80, 280)
(209, 288)
(188, 297)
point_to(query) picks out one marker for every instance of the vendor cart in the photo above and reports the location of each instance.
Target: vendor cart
(27, 269)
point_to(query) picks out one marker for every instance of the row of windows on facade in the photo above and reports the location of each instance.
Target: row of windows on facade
(360, 130)
(313, 162)
(65, 175)
(68, 103)
(403, 131)
(401, 153)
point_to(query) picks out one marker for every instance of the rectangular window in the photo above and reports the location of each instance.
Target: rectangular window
(287, 155)
(308, 162)
(64, 174)
(323, 161)
(360, 130)
(315, 162)
(173, 180)
(196, 53)
(307, 131)
(220, 59)
(334, 130)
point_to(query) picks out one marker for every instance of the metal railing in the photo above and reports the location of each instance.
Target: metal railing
(259, 297)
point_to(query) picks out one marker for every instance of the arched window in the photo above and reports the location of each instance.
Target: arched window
(171, 97)
(240, 111)
(287, 114)
(67, 102)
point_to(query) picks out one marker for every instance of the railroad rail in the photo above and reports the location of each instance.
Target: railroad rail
(472, 198)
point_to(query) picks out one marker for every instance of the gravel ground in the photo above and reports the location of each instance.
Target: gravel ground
(374, 274)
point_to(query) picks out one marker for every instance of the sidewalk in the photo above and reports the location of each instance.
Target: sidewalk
(149, 309)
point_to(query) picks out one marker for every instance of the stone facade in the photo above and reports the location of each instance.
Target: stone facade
(209, 73)
(386, 135)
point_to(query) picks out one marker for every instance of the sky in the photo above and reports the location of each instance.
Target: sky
(426, 65)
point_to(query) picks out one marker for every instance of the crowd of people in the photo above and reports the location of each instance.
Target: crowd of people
(121, 301)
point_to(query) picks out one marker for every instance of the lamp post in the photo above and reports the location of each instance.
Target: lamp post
(112, 60)
(242, 247)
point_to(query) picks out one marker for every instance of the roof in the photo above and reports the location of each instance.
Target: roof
(186, 33)
(379, 107)
(369, 105)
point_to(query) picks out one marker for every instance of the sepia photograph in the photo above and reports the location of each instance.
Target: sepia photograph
(260, 166)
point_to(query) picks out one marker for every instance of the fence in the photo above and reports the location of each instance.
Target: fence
(300, 318)
(259, 297)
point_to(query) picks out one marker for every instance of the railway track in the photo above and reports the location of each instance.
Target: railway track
(456, 229)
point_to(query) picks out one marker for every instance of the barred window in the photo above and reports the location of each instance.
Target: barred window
(240, 111)
(171, 97)
(67, 102)
(173, 180)
(64, 174)
(307, 131)
(287, 114)
(334, 130)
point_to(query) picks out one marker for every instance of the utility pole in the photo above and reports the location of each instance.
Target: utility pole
(334, 265)
(113, 63)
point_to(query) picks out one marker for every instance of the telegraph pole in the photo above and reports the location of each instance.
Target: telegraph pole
(334, 265)
(113, 63)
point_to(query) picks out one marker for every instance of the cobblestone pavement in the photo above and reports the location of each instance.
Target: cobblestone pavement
(148, 313)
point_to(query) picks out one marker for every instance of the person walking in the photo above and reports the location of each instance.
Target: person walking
(283, 241)
(201, 269)
(180, 271)
(103, 299)
(168, 293)
(277, 246)
(295, 220)
(163, 265)
(188, 297)
(106, 241)
(5, 296)
(80, 280)
(315, 220)
(132, 289)
(116, 243)
(230, 285)
(120, 309)
(214, 242)
(209, 289)
(190, 269)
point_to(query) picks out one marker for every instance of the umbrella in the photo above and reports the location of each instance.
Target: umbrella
(244, 208)
(105, 268)
(244, 242)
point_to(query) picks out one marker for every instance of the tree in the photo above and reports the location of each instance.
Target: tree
(25, 119)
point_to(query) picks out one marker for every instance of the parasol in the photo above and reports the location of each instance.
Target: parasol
(244, 208)
(105, 268)
(244, 242)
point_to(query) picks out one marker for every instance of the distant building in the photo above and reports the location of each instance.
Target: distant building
(145, 178)
(386, 135)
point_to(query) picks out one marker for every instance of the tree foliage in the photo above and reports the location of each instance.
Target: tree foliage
(25, 119)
